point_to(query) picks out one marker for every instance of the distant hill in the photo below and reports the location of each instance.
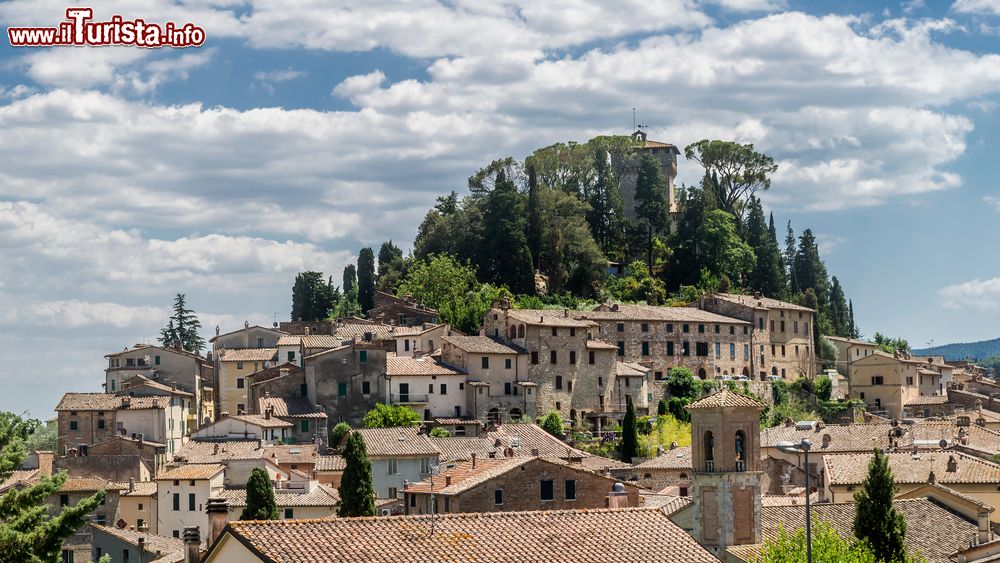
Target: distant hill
(964, 350)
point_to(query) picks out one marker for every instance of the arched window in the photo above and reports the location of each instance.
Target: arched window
(515, 415)
(774, 371)
(709, 442)
(740, 446)
(520, 331)
(493, 415)
(513, 332)
(647, 476)
(683, 476)
(746, 372)
(701, 373)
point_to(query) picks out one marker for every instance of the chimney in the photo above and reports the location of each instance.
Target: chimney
(932, 478)
(983, 518)
(45, 463)
(534, 452)
(615, 307)
(215, 449)
(952, 464)
(758, 295)
(473, 460)
(267, 413)
(826, 440)
(140, 438)
(618, 498)
(142, 547)
(131, 485)
(218, 517)
(192, 545)
(447, 480)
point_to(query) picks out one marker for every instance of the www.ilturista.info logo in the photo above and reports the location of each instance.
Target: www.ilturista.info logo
(78, 30)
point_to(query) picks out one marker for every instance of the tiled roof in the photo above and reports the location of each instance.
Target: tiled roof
(928, 400)
(397, 442)
(261, 421)
(139, 488)
(205, 452)
(480, 345)
(18, 476)
(248, 354)
(559, 536)
(602, 464)
(239, 330)
(600, 345)
(291, 407)
(407, 365)
(725, 399)
(289, 340)
(299, 453)
(677, 458)
(130, 439)
(84, 484)
(192, 471)
(143, 381)
(463, 476)
(415, 330)
(652, 313)
(851, 469)
(109, 402)
(545, 317)
(322, 495)
(866, 437)
(850, 341)
(931, 530)
(329, 463)
(763, 302)
(325, 341)
(457, 421)
(161, 348)
(167, 547)
(348, 331)
(628, 369)
(521, 438)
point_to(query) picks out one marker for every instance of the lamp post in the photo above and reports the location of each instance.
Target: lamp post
(793, 448)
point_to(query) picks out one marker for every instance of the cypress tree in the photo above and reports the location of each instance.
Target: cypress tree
(855, 333)
(781, 278)
(389, 256)
(876, 521)
(366, 279)
(534, 216)
(606, 208)
(357, 493)
(651, 207)
(810, 272)
(840, 315)
(630, 433)
(260, 497)
(661, 407)
(768, 275)
(790, 250)
(505, 255)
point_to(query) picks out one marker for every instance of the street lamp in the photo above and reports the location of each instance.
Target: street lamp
(793, 448)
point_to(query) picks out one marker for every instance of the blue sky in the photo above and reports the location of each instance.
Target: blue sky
(301, 131)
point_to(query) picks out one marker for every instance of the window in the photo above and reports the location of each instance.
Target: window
(239, 365)
(191, 502)
(506, 388)
(444, 388)
(393, 492)
(782, 326)
(645, 348)
(72, 425)
(534, 357)
(555, 331)
(621, 348)
(659, 376)
(430, 388)
(732, 329)
(782, 350)
(101, 519)
(686, 348)
(240, 383)
(547, 492)
(701, 349)
(558, 382)
(390, 467)
(67, 556)
(485, 362)
(413, 500)
(732, 351)
(425, 465)
(303, 390)
(498, 497)
(746, 351)
(447, 504)
(289, 513)
(304, 426)
(760, 322)
(670, 348)
(670, 327)
(805, 328)
(796, 350)
(100, 424)
(685, 328)
(701, 329)
(628, 382)
(590, 357)
(570, 489)
(621, 327)
(63, 500)
(156, 360)
(795, 327)
(553, 357)
(600, 382)
(341, 388)
(366, 388)
(363, 356)
(645, 327)
(684, 491)
(507, 363)
(177, 502)
(461, 386)
(718, 349)
(909, 380)
(572, 356)
(572, 332)
(877, 380)
(558, 404)
(291, 356)
(772, 326)
(406, 345)
(774, 349)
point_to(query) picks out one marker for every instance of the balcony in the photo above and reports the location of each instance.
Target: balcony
(408, 399)
(710, 466)
(741, 465)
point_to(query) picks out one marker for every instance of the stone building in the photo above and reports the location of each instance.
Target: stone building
(889, 382)
(308, 420)
(401, 311)
(79, 546)
(665, 153)
(135, 545)
(497, 386)
(781, 337)
(347, 381)
(671, 468)
(285, 380)
(171, 367)
(425, 338)
(726, 488)
(235, 365)
(512, 484)
(432, 389)
(84, 419)
(398, 455)
(182, 496)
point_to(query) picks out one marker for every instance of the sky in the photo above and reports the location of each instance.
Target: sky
(301, 131)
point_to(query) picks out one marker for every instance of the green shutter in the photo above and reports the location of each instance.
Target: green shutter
(305, 425)
(363, 356)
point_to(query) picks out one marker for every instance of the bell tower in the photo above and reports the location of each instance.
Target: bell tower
(725, 450)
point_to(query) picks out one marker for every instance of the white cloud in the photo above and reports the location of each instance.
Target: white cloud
(992, 201)
(975, 295)
(750, 5)
(283, 75)
(991, 7)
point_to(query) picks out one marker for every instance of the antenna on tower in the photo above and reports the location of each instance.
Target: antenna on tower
(633, 119)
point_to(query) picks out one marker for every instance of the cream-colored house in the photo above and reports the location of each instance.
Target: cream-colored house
(265, 428)
(432, 389)
(887, 382)
(182, 494)
(425, 338)
(137, 506)
(234, 367)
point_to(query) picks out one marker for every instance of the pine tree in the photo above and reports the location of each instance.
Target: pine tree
(505, 256)
(389, 255)
(651, 208)
(366, 279)
(357, 493)
(182, 328)
(768, 275)
(630, 433)
(810, 272)
(876, 521)
(313, 298)
(686, 260)
(260, 497)
(28, 532)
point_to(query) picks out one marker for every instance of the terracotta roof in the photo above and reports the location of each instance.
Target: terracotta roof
(239, 330)
(261, 420)
(397, 442)
(18, 476)
(851, 341)
(851, 469)
(289, 340)
(161, 348)
(407, 365)
(647, 144)
(84, 484)
(322, 341)
(348, 331)
(415, 330)
(601, 464)
(583, 536)
(600, 345)
(329, 463)
(291, 407)
(108, 402)
(130, 439)
(546, 317)
(248, 354)
(457, 421)
(522, 438)
(652, 313)
(929, 399)
(322, 495)
(143, 381)
(931, 530)
(192, 471)
(463, 476)
(205, 452)
(725, 399)
(139, 488)
(866, 437)
(628, 369)
(480, 345)
(762, 303)
(168, 548)
(298, 453)
(677, 458)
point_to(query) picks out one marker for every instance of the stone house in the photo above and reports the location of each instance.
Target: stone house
(347, 381)
(424, 338)
(152, 454)
(135, 545)
(398, 455)
(512, 484)
(247, 337)
(850, 350)
(498, 387)
(781, 336)
(301, 498)
(432, 389)
(266, 428)
(182, 495)
(84, 419)
(137, 506)
(401, 311)
(284, 380)
(79, 546)
(671, 468)
(888, 382)
(235, 366)
(171, 368)
(308, 420)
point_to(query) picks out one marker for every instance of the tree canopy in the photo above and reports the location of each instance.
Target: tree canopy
(739, 170)
(313, 298)
(182, 328)
(260, 497)
(385, 416)
(876, 520)
(357, 492)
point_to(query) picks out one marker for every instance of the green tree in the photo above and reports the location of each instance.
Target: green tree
(260, 497)
(505, 258)
(823, 387)
(890, 345)
(725, 253)
(738, 172)
(553, 424)
(828, 546)
(27, 531)
(357, 493)
(366, 279)
(876, 520)
(439, 432)
(607, 211)
(182, 328)
(386, 416)
(855, 333)
(682, 383)
(839, 313)
(791, 249)
(348, 306)
(389, 256)
(651, 207)
(637, 285)
(312, 297)
(568, 254)
(661, 408)
(768, 274)
(338, 434)
(630, 433)
(828, 353)
(810, 271)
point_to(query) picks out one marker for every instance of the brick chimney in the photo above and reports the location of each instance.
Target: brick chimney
(218, 517)
(473, 460)
(45, 462)
(618, 498)
(192, 545)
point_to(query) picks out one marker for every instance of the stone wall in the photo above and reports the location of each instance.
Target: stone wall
(343, 368)
(88, 430)
(152, 456)
(111, 467)
(726, 509)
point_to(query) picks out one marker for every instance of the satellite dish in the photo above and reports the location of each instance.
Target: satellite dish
(943, 443)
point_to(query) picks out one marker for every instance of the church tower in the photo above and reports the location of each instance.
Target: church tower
(725, 449)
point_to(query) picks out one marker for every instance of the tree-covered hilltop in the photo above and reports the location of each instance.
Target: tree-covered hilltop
(556, 219)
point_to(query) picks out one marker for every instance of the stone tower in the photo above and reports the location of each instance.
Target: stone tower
(725, 449)
(666, 154)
